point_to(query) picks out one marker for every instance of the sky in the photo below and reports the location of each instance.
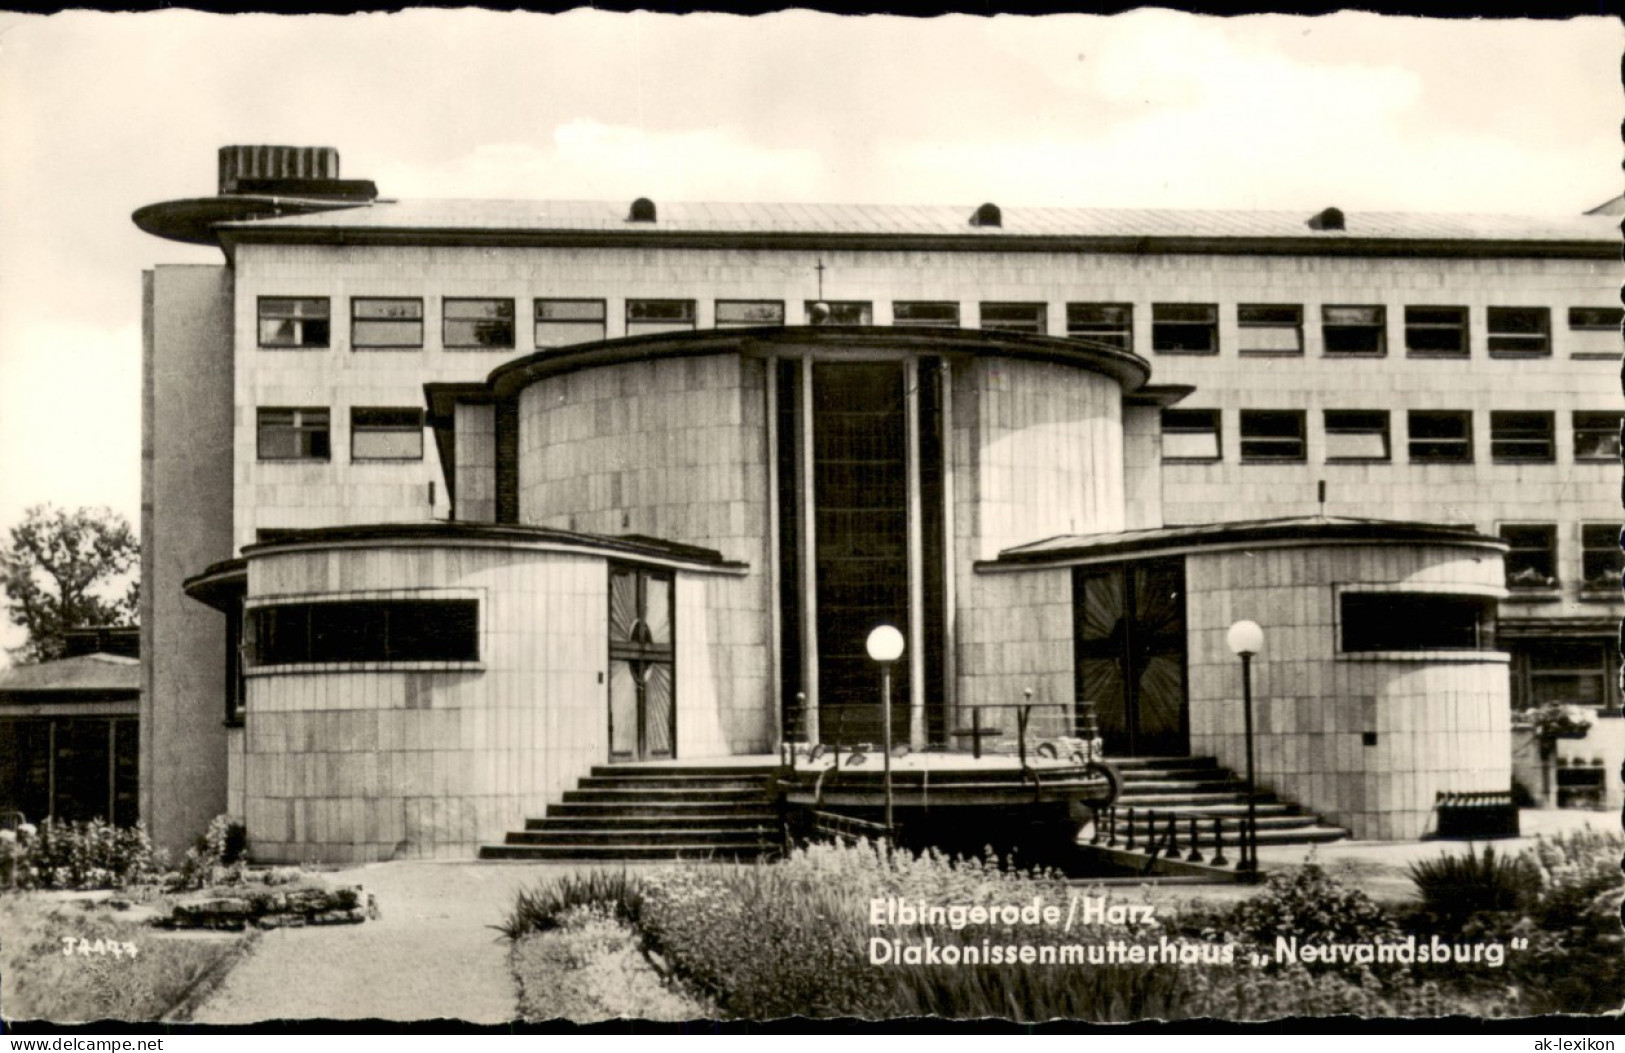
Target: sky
(101, 113)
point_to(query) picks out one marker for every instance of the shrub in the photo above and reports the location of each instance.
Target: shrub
(1455, 887)
(86, 855)
(217, 856)
(1312, 905)
(545, 907)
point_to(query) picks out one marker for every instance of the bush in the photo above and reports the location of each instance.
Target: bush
(1454, 888)
(217, 856)
(85, 855)
(545, 907)
(1311, 905)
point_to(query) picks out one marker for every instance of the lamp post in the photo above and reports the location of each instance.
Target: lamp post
(1247, 639)
(885, 646)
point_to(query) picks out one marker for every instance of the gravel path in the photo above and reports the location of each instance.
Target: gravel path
(431, 955)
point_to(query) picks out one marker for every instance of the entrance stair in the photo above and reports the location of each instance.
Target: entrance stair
(1198, 788)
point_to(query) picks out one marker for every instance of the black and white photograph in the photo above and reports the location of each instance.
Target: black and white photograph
(650, 521)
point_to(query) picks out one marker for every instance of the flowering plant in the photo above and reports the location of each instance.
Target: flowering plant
(1556, 720)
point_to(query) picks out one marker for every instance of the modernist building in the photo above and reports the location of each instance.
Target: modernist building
(448, 500)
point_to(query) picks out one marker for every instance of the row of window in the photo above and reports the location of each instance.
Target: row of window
(377, 433)
(1532, 559)
(1432, 436)
(385, 323)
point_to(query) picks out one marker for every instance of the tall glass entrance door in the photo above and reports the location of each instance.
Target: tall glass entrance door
(642, 695)
(1130, 655)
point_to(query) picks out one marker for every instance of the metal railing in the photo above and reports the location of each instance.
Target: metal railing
(1053, 730)
(1191, 837)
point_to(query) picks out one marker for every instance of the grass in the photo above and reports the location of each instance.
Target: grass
(166, 977)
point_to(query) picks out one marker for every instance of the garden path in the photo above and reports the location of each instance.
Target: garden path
(431, 955)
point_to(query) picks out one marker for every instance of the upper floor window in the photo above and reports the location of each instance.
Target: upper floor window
(294, 434)
(1357, 435)
(287, 321)
(1440, 436)
(477, 323)
(367, 631)
(1270, 329)
(1190, 434)
(646, 317)
(560, 323)
(1107, 324)
(386, 434)
(1519, 435)
(1272, 435)
(1185, 328)
(1594, 332)
(1016, 317)
(1520, 331)
(386, 322)
(1354, 329)
(1596, 435)
(839, 312)
(1531, 560)
(749, 314)
(936, 313)
(1436, 331)
(1601, 560)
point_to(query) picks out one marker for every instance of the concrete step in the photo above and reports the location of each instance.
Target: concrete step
(659, 794)
(630, 852)
(703, 771)
(670, 782)
(620, 819)
(715, 836)
(652, 809)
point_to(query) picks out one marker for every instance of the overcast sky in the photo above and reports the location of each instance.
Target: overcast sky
(103, 113)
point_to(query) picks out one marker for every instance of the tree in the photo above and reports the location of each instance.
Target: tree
(57, 572)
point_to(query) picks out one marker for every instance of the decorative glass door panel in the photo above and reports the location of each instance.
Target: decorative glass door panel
(1131, 655)
(642, 689)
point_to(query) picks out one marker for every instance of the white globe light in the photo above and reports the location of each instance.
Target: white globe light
(1245, 637)
(885, 644)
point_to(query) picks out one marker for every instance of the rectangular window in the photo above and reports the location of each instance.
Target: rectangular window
(1016, 317)
(1531, 560)
(647, 317)
(380, 434)
(560, 323)
(1440, 436)
(477, 323)
(1354, 330)
(749, 314)
(1108, 325)
(1569, 672)
(1596, 435)
(1594, 332)
(926, 313)
(294, 434)
(1439, 332)
(1600, 558)
(1519, 436)
(1517, 331)
(1416, 621)
(839, 312)
(293, 322)
(1272, 435)
(1357, 435)
(1190, 435)
(1270, 329)
(380, 322)
(1185, 328)
(367, 631)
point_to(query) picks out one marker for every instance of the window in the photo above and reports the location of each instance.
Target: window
(747, 314)
(839, 312)
(1436, 331)
(1570, 672)
(1016, 317)
(646, 317)
(1351, 330)
(1416, 621)
(1520, 436)
(1185, 328)
(477, 323)
(1190, 435)
(1594, 332)
(1103, 324)
(367, 631)
(1520, 331)
(379, 322)
(943, 314)
(378, 434)
(560, 323)
(290, 322)
(293, 435)
(1272, 435)
(1357, 435)
(1600, 558)
(1440, 436)
(1596, 436)
(1531, 559)
(1270, 329)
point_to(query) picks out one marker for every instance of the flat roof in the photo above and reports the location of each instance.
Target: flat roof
(90, 673)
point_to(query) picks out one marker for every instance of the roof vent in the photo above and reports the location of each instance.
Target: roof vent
(987, 216)
(643, 211)
(253, 164)
(1327, 219)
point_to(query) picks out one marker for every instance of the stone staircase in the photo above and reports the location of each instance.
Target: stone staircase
(654, 812)
(1198, 786)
